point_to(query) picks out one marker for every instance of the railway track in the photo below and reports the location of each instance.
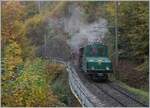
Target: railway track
(116, 93)
(124, 99)
(117, 96)
(117, 88)
(105, 99)
(113, 91)
(109, 93)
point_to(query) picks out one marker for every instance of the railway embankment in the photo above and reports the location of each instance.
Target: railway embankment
(60, 86)
(62, 89)
(82, 93)
(138, 94)
(112, 93)
(98, 94)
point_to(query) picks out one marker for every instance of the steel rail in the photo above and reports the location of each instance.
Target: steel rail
(79, 91)
(127, 95)
(105, 92)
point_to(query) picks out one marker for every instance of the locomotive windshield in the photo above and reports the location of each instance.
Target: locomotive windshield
(96, 51)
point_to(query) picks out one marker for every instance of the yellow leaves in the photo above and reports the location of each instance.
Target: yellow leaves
(58, 9)
(35, 27)
(13, 9)
(31, 88)
(110, 8)
(13, 53)
(12, 16)
(26, 86)
(54, 70)
(56, 67)
(34, 21)
(36, 91)
(12, 58)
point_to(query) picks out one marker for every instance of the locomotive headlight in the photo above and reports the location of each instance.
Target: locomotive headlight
(91, 60)
(100, 61)
(107, 68)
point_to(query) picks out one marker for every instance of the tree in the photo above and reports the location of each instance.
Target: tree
(12, 17)
(92, 10)
(132, 29)
(12, 60)
(35, 29)
(12, 39)
(135, 27)
(31, 8)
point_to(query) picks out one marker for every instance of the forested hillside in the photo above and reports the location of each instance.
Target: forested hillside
(34, 31)
(133, 44)
(27, 78)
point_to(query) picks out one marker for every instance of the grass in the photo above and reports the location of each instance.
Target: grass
(142, 95)
(60, 87)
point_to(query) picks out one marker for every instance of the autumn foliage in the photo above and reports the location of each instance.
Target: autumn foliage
(12, 16)
(31, 87)
(25, 79)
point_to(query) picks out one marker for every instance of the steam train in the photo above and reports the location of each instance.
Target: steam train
(93, 60)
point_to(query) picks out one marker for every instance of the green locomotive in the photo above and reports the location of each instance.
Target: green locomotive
(94, 61)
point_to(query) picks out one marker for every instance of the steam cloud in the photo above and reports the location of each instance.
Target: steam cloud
(82, 33)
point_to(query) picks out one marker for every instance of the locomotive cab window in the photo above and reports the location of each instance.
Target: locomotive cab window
(95, 51)
(101, 52)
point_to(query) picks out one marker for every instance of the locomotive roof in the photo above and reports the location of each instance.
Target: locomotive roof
(92, 44)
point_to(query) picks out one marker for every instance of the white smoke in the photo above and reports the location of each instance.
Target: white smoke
(82, 33)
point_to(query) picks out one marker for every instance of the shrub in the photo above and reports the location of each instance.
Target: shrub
(54, 70)
(12, 59)
(30, 88)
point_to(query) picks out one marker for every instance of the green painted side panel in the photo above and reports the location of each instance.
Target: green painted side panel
(98, 63)
(95, 57)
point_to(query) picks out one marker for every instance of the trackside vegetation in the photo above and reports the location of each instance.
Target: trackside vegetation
(141, 94)
(26, 78)
(32, 32)
(38, 83)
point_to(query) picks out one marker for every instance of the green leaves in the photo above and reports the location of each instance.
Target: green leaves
(12, 59)
(136, 26)
(35, 29)
(133, 39)
(31, 88)
(133, 21)
(92, 10)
